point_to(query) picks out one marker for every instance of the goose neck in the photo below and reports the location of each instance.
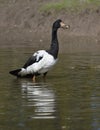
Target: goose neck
(54, 35)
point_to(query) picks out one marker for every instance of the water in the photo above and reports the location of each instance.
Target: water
(68, 100)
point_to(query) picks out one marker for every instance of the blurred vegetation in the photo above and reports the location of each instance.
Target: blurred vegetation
(71, 4)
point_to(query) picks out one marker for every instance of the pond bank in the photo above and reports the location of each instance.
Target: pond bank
(24, 24)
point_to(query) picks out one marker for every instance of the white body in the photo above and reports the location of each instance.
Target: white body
(40, 66)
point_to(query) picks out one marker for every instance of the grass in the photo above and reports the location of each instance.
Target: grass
(56, 6)
(70, 4)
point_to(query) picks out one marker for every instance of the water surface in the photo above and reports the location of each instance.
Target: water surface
(69, 99)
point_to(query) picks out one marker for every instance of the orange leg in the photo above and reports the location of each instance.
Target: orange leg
(34, 79)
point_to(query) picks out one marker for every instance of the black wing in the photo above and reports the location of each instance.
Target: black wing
(31, 60)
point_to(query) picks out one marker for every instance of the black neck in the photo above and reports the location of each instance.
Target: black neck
(54, 48)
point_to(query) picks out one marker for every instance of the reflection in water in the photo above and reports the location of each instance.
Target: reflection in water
(41, 98)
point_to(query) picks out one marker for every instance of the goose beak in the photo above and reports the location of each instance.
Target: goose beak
(64, 26)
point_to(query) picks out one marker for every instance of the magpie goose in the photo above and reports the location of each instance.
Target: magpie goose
(43, 60)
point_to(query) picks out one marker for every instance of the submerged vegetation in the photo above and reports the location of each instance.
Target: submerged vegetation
(71, 4)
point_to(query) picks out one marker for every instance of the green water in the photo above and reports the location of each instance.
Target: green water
(68, 100)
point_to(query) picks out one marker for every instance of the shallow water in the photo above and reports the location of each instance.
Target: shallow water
(69, 99)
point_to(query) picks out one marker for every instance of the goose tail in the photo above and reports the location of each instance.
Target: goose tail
(15, 72)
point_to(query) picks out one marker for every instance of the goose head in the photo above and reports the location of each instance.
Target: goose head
(60, 24)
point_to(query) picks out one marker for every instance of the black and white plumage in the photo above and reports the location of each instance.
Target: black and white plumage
(43, 60)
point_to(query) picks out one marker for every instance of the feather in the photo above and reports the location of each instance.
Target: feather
(15, 72)
(34, 58)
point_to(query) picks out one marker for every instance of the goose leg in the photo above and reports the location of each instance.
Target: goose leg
(44, 76)
(34, 78)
